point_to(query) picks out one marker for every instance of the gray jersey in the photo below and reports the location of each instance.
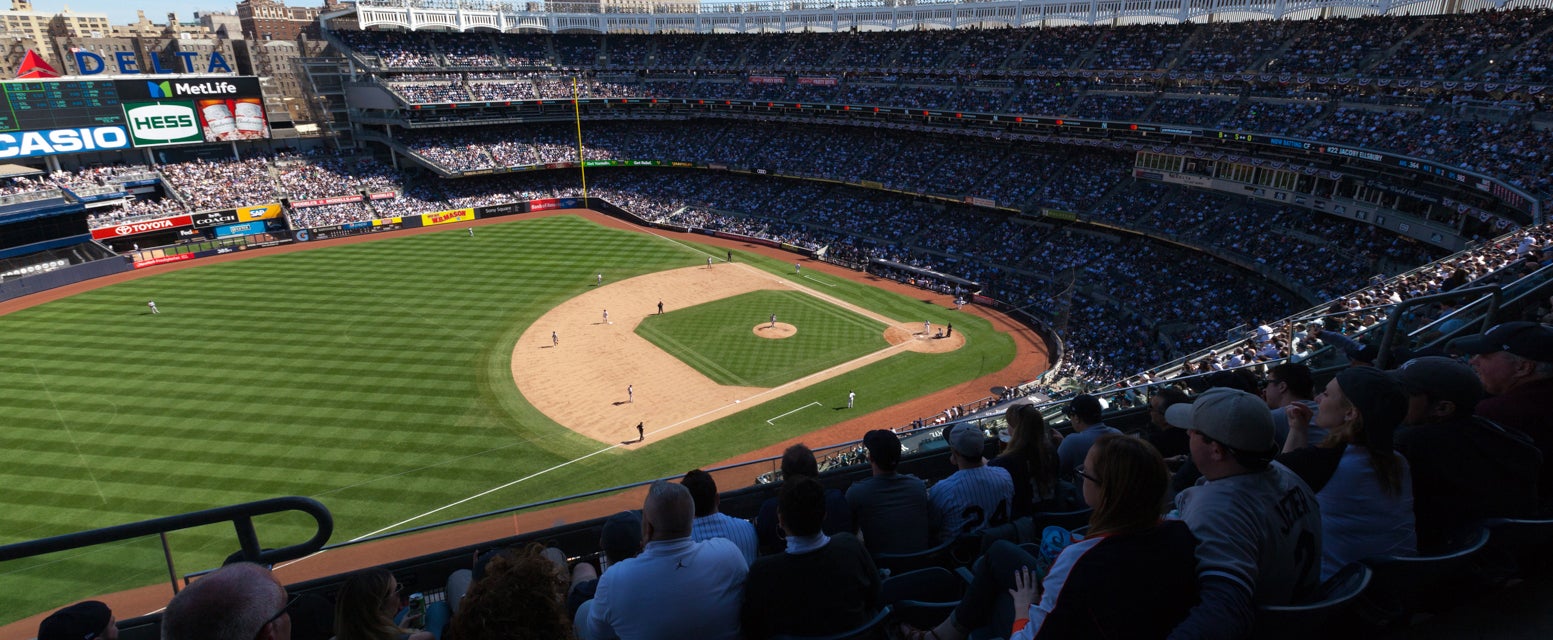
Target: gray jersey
(970, 500)
(1260, 530)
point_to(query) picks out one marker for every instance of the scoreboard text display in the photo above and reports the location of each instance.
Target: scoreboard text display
(47, 117)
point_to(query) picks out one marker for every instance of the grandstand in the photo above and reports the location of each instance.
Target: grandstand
(1160, 196)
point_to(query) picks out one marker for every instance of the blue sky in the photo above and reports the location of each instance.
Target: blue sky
(123, 11)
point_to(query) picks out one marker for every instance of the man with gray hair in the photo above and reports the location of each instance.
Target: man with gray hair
(677, 587)
(241, 601)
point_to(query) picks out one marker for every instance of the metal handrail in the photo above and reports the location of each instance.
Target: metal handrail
(240, 515)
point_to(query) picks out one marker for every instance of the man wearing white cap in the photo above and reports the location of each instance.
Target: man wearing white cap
(1257, 524)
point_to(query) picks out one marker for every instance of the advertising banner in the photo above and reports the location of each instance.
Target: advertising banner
(27, 144)
(208, 219)
(319, 202)
(545, 204)
(137, 228)
(153, 124)
(818, 82)
(259, 212)
(501, 210)
(768, 79)
(244, 229)
(446, 217)
(383, 195)
(164, 260)
(232, 120)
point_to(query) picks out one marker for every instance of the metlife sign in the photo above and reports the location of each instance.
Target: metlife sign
(158, 123)
(27, 144)
(193, 88)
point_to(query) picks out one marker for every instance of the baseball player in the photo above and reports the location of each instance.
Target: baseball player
(606, 316)
(660, 307)
(471, 232)
(709, 262)
(630, 393)
(600, 281)
(797, 268)
(555, 340)
(950, 332)
(773, 322)
(641, 434)
(730, 256)
(152, 305)
(927, 328)
(851, 398)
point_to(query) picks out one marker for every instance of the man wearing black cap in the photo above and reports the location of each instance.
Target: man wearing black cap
(1465, 469)
(1084, 410)
(889, 509)
(1515, 362)
(90, 620)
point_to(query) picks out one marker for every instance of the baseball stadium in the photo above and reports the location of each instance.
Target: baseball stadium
(897, 287)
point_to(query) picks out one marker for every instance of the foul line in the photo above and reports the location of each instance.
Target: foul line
(70, 432)
(811, 404)
(811, 279)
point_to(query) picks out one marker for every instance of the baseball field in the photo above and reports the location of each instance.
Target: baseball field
(391, 379)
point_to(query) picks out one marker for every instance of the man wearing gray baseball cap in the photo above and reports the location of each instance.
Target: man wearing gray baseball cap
(1257, 524)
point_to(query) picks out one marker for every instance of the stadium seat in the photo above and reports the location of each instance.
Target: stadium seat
(898, 563)
(1516, 549)
(1404, 586)
(923, 598)
(1309, 620)
(871, 630)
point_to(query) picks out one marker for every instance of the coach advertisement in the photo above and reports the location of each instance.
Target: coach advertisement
(209, 219)
(144, 226)
(447, 217)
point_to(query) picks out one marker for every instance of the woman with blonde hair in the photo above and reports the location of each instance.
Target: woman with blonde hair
(366, 605)
(1362, 484)
(1031, 459)
(1132, 575)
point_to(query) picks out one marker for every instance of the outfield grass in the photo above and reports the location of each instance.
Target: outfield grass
(717, 338)
(374, 377)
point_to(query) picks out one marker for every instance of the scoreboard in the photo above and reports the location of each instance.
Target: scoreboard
(36, 105)
(48, 117)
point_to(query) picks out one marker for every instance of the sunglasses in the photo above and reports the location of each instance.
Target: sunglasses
(283, 611)
(1079, 471)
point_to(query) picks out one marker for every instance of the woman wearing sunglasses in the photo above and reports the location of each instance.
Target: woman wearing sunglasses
(366, 606)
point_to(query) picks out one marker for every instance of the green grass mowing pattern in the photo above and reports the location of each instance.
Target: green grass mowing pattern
(374, 377)
(717, 338)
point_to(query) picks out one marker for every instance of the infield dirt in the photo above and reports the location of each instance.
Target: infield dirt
(580, 380)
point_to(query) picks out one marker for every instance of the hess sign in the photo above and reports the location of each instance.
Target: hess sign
(159, 123)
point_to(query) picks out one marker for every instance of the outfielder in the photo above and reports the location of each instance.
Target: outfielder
(797, 268)
(600, 281)
(851, 398)
(152, 305)
(471, 232)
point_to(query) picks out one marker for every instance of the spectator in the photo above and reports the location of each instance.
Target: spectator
(1084, 411)
(1257, 524)
(1170, 441)
(90, 620)
(709, 522)
(1364, 487)
(820, 585)
(520, 597)
(975, 496)
(620, 539)
(1286, 384)
(366, 605)
(1465, 469)
(1031, 460)
(1130, 576)
(677, 587)
(1514, 361)
(798, 460)
(240, 601)
(890, 509)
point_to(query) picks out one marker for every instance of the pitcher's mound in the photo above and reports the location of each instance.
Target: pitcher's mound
(910, 334)
(781, 330)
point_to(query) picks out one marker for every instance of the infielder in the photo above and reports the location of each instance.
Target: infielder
(152, 305)
(927, 328)
(851, 398)
(555, 340)
(660, 307)
(709, 262)
(606, 316)
(600, 281)
(630, 393)
(773, 322)
(641, 434)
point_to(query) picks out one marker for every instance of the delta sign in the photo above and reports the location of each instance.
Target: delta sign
(124, 62)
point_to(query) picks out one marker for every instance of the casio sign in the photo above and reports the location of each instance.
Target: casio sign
(162, 123)
(24, 144)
